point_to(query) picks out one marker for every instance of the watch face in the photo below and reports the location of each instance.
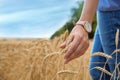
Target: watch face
(88, 27)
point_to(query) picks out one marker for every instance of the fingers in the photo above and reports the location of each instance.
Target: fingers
(79, 51)
(73, 46)
(63, 45)
(72, 56)
(67, 41)
(78, 45)
(70, 39)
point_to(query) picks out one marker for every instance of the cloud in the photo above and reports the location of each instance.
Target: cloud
(35, 18)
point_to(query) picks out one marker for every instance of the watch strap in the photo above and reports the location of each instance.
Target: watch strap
(82, 23)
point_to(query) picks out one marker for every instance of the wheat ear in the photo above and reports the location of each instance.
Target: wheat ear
(116, 51)
(64, 71)
(68, 41)
(103, 70)
(66, 35)
(101, 54)
(49, 56)
(67, 71)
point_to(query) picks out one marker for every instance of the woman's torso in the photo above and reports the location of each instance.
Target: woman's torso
(108, 5)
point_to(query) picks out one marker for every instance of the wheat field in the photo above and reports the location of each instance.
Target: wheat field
(40, 59)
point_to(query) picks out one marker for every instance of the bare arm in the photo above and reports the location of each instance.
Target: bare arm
(89, 10)
(80, 42)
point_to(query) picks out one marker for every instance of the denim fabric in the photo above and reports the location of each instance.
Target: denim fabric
(104, 41)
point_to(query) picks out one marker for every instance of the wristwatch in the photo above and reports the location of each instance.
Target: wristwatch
(86, 25)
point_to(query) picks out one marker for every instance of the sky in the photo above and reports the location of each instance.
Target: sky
(33, 18)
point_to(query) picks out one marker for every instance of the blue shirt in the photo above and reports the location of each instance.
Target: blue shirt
(108, 5)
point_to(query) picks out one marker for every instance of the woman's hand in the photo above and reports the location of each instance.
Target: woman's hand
(79, 44)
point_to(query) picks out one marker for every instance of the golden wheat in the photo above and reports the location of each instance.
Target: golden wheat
(103, 70)
(117, 38)
(40, 59)
(101, 54)
(116, 51)
(43, 60)
(67, 71)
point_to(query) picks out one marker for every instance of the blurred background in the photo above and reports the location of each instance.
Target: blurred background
(38, 18)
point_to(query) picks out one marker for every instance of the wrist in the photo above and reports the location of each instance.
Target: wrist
(86, 25)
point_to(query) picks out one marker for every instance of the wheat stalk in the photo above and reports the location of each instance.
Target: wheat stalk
(103, 70)
(116, 42)
(116, 66)
(51, 55)
(47, 57)
(65, 72)
(68, 41)
(116, 51)
(65, 35)
(117, 38)
(17, 62)
(101, 54)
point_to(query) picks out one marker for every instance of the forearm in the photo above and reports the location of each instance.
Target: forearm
(80, 42)
(89, 10)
